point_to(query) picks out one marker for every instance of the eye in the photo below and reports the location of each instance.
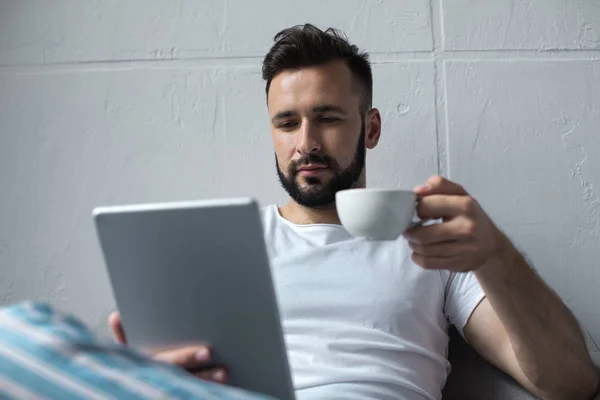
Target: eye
(287, 125)
(329, 120)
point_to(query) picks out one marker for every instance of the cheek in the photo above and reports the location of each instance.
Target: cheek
(284, 145)
(284, 150)
(341, 151)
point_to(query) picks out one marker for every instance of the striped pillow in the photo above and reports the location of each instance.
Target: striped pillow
(45, 354)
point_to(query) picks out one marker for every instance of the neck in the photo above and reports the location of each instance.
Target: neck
(298, 214)
(301, 215)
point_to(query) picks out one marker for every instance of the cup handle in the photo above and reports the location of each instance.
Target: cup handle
(416, 220)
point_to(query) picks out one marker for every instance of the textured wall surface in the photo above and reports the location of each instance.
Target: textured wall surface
(105, 102)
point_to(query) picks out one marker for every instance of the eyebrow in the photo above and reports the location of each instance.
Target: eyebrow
(283, 115)
(329, 108)
(323, 108)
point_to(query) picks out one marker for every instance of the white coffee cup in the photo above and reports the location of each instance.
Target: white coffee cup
(377, 214)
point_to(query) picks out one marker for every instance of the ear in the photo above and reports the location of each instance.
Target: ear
(373, 128)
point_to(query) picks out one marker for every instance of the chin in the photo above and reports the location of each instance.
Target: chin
(310, 182)
(307, 188)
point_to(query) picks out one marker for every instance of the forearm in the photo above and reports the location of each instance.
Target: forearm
(545, 336)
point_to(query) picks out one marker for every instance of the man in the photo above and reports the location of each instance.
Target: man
(369, 320)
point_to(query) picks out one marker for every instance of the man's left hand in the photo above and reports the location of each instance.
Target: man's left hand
(465, 239)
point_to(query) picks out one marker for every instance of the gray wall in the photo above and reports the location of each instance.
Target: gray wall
(105, 102)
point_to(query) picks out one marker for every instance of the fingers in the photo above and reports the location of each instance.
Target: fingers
(446, 206)
(191, 357)
(445, 246)
(218, 375)
(197, 360)
(114, 321)
(458, 229)
(439, 185)
(442, 250)
(435, 262)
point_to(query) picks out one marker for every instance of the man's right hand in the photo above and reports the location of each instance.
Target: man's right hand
(195, 359)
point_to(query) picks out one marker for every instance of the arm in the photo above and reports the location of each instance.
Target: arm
(522, 326)
(525, 329)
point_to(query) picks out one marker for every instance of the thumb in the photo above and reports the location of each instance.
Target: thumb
(114, 321)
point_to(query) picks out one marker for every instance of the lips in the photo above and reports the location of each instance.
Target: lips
(312, 170)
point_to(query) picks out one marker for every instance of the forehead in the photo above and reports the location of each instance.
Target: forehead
(305, 88)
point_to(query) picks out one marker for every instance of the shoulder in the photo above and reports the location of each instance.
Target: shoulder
(267, 213)
(269, 219)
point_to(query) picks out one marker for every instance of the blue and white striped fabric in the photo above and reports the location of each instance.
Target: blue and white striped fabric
(45, 354)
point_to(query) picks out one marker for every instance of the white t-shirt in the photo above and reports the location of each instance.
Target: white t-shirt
(361, 320)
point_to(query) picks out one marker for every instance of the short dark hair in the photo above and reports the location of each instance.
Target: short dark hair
(306, 45)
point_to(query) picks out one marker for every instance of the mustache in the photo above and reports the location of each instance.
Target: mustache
(312, 159)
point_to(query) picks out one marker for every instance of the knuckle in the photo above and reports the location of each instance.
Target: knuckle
(114, 320)
(416, 248)
(202, 354)
(468, 205)
(168, 355)
(180, 357)
(420, 260)
(415, 241)
(202, 348)
(416, 258)
(164, 357)
(214, 375)
(436, 180)
(468, 228)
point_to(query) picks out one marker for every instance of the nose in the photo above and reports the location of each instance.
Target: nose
(308, 139)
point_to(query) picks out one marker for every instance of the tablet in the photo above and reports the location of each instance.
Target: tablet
(198, 272)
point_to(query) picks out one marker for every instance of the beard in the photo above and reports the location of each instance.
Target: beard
(316, 193)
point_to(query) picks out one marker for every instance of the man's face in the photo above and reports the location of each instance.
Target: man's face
(318, 133)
